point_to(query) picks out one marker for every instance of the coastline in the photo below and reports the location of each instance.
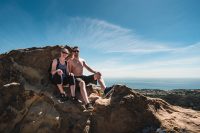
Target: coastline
(156, 83)
(187, 98)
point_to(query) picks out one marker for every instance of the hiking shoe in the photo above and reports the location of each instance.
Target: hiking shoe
(107, 90)
(63, 97)
(89, 107)
(74, 100)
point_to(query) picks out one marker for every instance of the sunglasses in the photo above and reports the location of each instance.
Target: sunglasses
(76, 51)
(64, 52)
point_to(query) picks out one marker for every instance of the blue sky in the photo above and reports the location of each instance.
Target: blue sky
(120, 38)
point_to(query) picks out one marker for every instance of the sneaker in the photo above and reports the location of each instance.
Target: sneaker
(89, 107)
(107, 90)
(74, 99)
(63, 97)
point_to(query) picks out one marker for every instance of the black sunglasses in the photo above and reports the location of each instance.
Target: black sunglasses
(64, 52)
(76, 51)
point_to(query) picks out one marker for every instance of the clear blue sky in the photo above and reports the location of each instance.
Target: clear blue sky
(120, 38)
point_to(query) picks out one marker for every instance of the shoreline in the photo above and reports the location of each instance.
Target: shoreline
(187, 98)
(156, 83)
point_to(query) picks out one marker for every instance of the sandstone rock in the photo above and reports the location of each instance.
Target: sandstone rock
(12, 106)
(125, 111)
(31, 106)
(27, 65)
(41, 117)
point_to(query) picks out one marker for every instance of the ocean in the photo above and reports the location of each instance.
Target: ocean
(156, 83)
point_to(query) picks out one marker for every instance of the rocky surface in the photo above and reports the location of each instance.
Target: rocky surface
(27, 103)
(180, 97)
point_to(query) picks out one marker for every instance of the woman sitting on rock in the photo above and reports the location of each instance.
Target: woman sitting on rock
(61, 76)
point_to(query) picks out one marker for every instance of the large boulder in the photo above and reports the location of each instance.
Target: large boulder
(27, 65)
(12, 106)
(30, 106)
(126, 111)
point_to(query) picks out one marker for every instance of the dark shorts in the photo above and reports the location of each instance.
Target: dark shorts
(86, 79)
(57, 79)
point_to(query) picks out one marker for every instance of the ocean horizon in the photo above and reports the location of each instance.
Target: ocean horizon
(156, 83)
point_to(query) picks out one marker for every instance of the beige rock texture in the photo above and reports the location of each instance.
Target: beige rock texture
(28, 103)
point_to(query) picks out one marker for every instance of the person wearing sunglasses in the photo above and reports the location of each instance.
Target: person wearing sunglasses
(76, 65)
(61, 75)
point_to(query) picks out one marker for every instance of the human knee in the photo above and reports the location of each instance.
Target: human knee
(59, 85)
(97, 76)
(82, 83)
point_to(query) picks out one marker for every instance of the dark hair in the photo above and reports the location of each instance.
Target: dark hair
(75, 47)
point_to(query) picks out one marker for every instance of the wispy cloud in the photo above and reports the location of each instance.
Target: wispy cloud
(171, 68)
(171, 59)
(168, 67)
(99, 34)
(102, 35)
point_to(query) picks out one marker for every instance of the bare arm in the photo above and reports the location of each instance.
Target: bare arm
(69, 66)
(88, 68)
(53, 67)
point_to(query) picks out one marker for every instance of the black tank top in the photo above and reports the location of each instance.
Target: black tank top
(62, 67)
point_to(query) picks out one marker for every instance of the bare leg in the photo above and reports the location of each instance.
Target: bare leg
(83, 91)
(100, 81)
(60, 87)
(72, 88)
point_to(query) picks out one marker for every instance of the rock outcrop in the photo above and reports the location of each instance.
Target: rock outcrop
(185, 98)
(27, 103)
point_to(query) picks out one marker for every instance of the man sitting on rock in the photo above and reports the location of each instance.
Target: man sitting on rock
(61, 75)
(76, 65)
